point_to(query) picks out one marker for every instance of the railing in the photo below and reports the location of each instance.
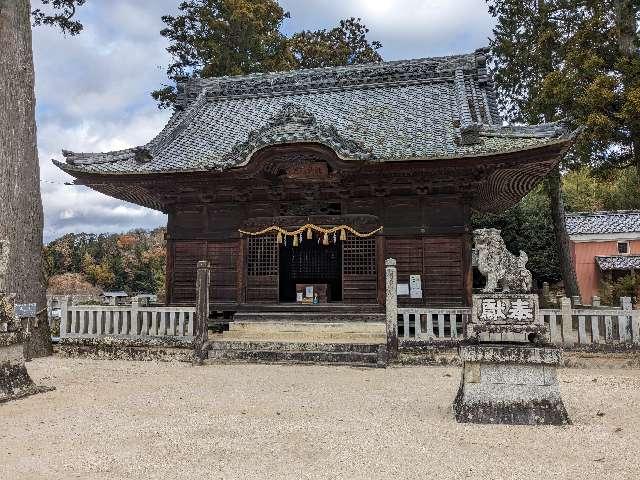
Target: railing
(590, 326)
(567, 326)
(126, 321)
(443, 324)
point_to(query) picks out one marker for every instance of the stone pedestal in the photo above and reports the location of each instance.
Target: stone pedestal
(510, 384)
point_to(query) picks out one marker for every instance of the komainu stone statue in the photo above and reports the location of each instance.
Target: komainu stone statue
(499, 266)
(508, 367)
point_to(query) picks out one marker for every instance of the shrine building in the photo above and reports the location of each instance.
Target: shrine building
(314, 177)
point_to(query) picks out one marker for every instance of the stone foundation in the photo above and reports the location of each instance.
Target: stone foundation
(15, 381)
(162, 349)
(510, 384)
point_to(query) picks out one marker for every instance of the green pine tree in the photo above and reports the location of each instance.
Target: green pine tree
(572, 60)
(213, 38)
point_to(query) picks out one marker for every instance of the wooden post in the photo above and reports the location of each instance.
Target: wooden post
(391, 304)
(567, 322)
(202, 311)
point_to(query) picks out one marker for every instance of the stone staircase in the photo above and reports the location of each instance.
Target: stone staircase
(303, 336)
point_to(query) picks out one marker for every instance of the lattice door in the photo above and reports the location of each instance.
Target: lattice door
(359, 277)
(262, 269)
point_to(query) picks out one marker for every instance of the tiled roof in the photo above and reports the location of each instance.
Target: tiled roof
(415, 109)
(618, 262)
(621, 221)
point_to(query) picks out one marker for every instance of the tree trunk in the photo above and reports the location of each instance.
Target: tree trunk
(554, 190)
(626, 26)
(21, 219)
(626, 14)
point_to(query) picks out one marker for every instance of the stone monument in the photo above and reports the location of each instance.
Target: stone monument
(15, 381)
(509, 370)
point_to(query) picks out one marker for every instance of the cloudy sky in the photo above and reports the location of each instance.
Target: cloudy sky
(93, 89)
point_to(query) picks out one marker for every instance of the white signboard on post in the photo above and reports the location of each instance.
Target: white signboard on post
(415, 285)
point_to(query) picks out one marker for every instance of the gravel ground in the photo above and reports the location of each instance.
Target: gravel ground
(130, 420)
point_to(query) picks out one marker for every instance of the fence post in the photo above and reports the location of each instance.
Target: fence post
(567, 321)
(135, 306)
(391, 303)
(623, 323)
(202, 311)
(64, 315)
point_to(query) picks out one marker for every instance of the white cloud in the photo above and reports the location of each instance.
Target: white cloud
(93, 89)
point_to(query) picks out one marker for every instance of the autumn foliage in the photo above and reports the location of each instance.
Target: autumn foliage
(133, 262)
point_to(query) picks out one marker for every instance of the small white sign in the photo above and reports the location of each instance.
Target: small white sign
(403, 289)
(416, 293)
(24, 310)
(308, 292)
(298, 296)
(415, 282)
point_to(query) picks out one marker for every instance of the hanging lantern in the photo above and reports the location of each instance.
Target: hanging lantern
(325, 239)
(279, 237)
(300, 237)
(295, 240)
(334, 237)
(309, 233)
(343, 234)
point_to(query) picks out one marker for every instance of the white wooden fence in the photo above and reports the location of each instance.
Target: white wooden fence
(126, 321)
(431, 324)
(567, 326)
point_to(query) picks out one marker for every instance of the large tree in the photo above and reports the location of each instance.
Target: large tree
(572, 60)
(21, 218)
(213, 38)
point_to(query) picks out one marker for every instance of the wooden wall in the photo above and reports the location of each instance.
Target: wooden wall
(426, 235)
(439, 262)
(181, 269)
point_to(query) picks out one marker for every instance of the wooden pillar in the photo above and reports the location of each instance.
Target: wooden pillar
(168, 273)
(241, 271)
(467, 258)
(380, 269)
(202, 311)
(391, 307)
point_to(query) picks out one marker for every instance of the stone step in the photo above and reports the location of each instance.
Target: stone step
(294, 346)
(309, 353)
(324, 337)
(350, 308)
(308, 327)
(308, 317)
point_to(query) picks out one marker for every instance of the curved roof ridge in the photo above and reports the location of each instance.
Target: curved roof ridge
(340, 77)
(384, 112)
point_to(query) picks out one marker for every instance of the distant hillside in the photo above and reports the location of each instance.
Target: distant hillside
(133, 261)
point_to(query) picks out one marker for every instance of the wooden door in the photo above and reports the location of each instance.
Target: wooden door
(359, 272)
(262, 269)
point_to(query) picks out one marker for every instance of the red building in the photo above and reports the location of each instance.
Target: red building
(605, 246)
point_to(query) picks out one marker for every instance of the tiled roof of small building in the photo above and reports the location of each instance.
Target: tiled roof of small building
(593, 223)
(415, 109)
(618, 262)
